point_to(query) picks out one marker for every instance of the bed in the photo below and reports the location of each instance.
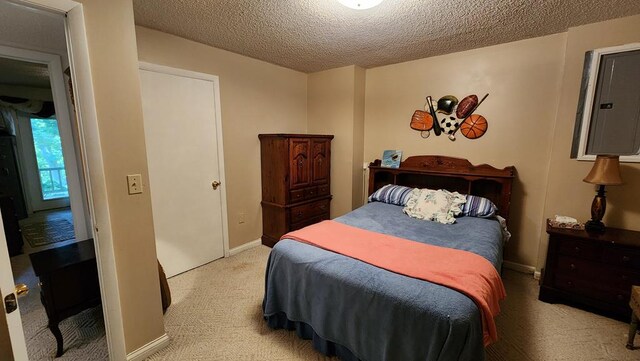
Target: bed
(357, 311)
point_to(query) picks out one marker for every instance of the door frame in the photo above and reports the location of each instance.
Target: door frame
(92, 163)
(218, 124)
(58, 90)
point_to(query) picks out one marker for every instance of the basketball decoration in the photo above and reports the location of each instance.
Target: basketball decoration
(466, 106)
(474, 126)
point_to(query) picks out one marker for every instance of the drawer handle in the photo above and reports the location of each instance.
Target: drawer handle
(300, 213)
(626, 258)
(323, 207)
(570, 283)
(625, 277)
(572, 266)
(620, 297)
(577, 249)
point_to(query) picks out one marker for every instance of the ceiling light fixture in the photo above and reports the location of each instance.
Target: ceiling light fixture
(360, 4)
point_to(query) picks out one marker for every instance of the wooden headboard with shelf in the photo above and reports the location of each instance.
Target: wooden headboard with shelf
(453, 174)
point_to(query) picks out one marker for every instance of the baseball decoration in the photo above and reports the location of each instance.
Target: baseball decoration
(474, 126)
(457, 115)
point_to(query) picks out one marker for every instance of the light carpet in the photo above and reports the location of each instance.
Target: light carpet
(216, 315)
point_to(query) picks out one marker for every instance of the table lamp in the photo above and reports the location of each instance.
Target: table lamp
(605, 172)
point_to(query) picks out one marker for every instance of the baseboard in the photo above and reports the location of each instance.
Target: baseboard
(149, 349)
(245, 247)
(519, 267)
(537, 275)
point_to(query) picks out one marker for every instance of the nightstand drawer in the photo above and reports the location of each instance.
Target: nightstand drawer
(300, 213)
(622, 257)
(578, 286)
(577, 268)
(576, 248)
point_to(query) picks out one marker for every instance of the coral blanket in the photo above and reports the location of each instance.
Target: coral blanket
(462, 271)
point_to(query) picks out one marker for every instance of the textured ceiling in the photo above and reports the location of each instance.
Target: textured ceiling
(313, 35)
(15, 72)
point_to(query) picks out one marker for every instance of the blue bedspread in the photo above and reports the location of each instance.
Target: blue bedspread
(376, 314)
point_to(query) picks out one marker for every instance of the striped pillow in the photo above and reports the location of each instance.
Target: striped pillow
(392, 194)
(478, 207)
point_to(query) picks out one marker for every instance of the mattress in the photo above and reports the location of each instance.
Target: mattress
(359, 311)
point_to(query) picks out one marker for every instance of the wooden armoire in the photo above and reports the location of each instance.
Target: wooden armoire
(296, 178)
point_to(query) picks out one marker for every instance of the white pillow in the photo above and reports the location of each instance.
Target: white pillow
(440, 206)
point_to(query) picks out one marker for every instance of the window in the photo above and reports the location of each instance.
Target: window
(48, 149)
(608, 117)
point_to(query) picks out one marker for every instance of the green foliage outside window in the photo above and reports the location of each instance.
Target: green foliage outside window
(48, 147)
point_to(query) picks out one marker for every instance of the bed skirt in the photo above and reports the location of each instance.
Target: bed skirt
(306, 332)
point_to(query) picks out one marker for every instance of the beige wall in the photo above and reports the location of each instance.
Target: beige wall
(335, 106)
(523, 80)
(359, 93)
(114, 67)
(256, 97)
(566, 193)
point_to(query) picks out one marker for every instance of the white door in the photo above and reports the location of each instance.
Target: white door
(11, 334)
(181, 124)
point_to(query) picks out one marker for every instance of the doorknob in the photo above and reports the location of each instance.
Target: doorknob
(215, 184)
(22, 289)
(11, 302)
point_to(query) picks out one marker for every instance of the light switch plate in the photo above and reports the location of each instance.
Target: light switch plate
(134, 181)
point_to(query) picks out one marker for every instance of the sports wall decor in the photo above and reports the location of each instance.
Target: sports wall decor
(447, 115)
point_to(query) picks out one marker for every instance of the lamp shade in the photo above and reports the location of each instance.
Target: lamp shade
(605, 171)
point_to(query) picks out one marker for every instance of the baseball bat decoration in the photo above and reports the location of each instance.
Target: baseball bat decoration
(436, 126)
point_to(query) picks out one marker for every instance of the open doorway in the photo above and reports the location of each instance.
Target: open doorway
(42, 193)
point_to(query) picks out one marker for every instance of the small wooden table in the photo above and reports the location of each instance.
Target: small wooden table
(68, 282)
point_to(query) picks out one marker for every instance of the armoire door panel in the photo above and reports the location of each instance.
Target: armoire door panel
(320, 161)
(300, 170)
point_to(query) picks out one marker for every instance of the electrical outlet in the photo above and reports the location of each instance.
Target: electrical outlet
(134, 181)
(242, 217)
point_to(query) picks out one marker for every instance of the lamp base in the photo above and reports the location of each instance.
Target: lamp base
(594, 226)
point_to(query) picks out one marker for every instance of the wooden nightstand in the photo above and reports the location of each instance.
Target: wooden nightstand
(592, 271)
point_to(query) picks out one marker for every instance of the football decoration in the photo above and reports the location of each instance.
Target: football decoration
(474, 126)
(467, 106)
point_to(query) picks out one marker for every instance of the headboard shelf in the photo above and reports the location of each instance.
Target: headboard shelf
(453, 174)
